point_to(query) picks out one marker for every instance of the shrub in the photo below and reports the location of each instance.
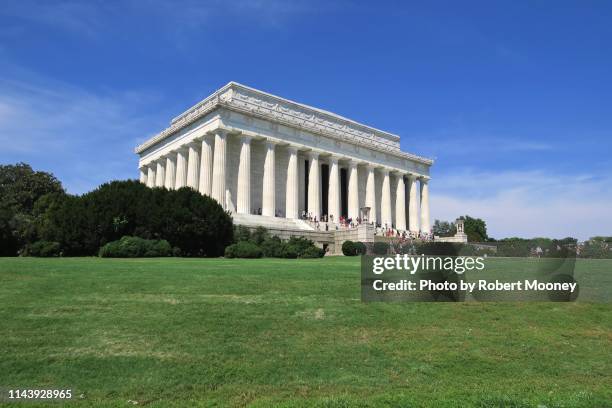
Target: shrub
(440, 248)
(348, 248)
(360, 248)
(43, 249)
(135, 247)
(352, 248)
(241, 233)
(272, 247)
(380, 248)
(297, 247)
(300, 244)
(243, 249)
(260, 243)
(288, 251)
(259, 235)
(313, 252)
(160, 247)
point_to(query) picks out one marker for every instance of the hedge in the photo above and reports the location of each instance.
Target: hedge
(243, 249)
(195, 223)
(312, 252)
(260, 243)
(43, 249)
(352, 248)
(135, 247)
(380, 248)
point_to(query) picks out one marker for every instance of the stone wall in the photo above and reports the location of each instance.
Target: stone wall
(363, 233)
(332, 240)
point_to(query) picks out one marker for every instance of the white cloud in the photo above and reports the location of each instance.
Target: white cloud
(174, 18)
(81, 17)
(84, 138)
(527, 204)
(459, 147)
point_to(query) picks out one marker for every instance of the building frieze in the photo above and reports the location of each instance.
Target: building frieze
(252, 102)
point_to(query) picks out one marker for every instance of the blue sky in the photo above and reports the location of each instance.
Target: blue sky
(512, 99)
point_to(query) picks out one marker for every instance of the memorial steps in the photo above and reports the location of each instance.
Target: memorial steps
(251, 220)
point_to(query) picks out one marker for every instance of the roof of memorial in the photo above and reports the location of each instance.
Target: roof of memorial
(253, 102)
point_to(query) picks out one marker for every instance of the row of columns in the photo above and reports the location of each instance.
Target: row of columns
(192, 167)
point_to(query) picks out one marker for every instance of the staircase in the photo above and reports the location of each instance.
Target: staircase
(251, 220)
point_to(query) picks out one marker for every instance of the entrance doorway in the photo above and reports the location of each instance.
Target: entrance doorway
(324, 189)
(344, 193)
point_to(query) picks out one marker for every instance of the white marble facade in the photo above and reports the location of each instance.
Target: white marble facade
(257, 153)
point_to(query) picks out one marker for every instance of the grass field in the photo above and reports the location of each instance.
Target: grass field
(218, 332)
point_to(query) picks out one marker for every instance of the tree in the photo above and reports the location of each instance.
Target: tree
(444, 228)
(20, 186)
(8, 241)
(475, 228)
(514, 246)
(597, 247)
(196, 224)
(20, 189)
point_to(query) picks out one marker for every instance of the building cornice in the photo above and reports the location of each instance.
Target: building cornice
(252, 102)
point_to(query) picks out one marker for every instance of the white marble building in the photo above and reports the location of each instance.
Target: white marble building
(257, 153)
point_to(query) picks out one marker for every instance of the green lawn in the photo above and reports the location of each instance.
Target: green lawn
(210, 332)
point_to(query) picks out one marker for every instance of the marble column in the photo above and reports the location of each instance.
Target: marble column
(170, 172)
(413, 209)
(218, 177)
(160, 174)
(400, 203)
(292, 188)
(143, 175)
(193, 167)
(314, 186)
(370, 198)
(386, 218)
(206, 163)
(150, 175)
(243, 195)
(425, 227)
(333, 196)
(353, 191)
(268, 200)
(181, 169)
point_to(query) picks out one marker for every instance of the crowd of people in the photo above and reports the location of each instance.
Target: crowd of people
(323, 223)
(394, 233)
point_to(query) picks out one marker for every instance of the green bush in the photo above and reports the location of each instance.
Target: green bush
(43, 249)
(259, 235)
(136, 247)
(351, 248)
(312, 252)
(440, 248)
(300, 247)
(288, 251)
(360, 248)
(243, 249)
(380, 248)
(241, 233)
(272, 247)
(258, 242)
(348, 248)
(300, 244)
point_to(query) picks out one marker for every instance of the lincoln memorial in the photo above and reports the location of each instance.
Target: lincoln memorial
(281, 164)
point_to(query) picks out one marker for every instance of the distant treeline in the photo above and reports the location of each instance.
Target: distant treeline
(476, 231)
